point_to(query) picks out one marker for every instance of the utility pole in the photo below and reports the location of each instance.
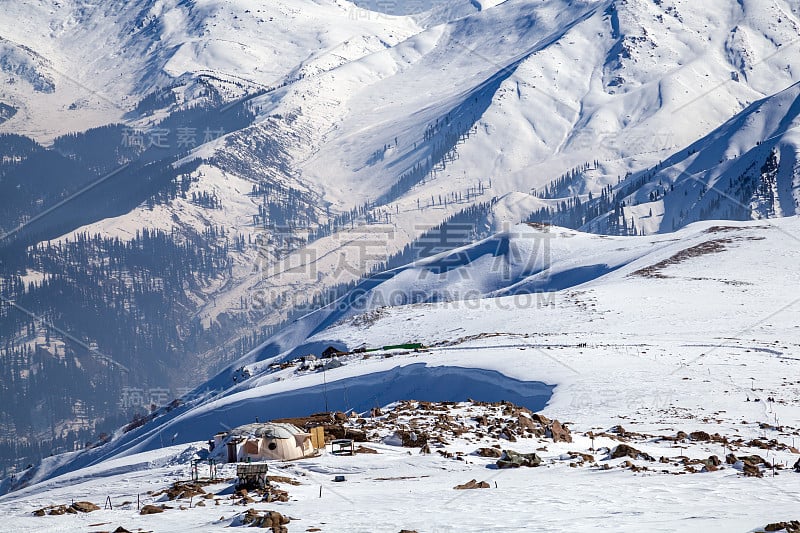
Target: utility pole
(325, 389)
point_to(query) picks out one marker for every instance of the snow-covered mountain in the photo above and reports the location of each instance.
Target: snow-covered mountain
(276, 151)
(355, 98)
(746, 168)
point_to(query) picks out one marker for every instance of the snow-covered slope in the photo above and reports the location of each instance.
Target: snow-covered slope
(61, 83)
(613, 82)
(748, 167)
(536, 282)
(694, 331)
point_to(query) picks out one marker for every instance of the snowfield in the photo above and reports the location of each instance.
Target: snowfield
(694, 332)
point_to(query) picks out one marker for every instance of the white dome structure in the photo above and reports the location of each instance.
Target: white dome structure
(264, 441)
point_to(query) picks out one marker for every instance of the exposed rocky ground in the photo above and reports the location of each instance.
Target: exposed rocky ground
(483, 437)
(493, 429)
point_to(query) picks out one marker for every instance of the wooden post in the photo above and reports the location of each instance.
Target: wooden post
(318, 437)
(137, 501)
